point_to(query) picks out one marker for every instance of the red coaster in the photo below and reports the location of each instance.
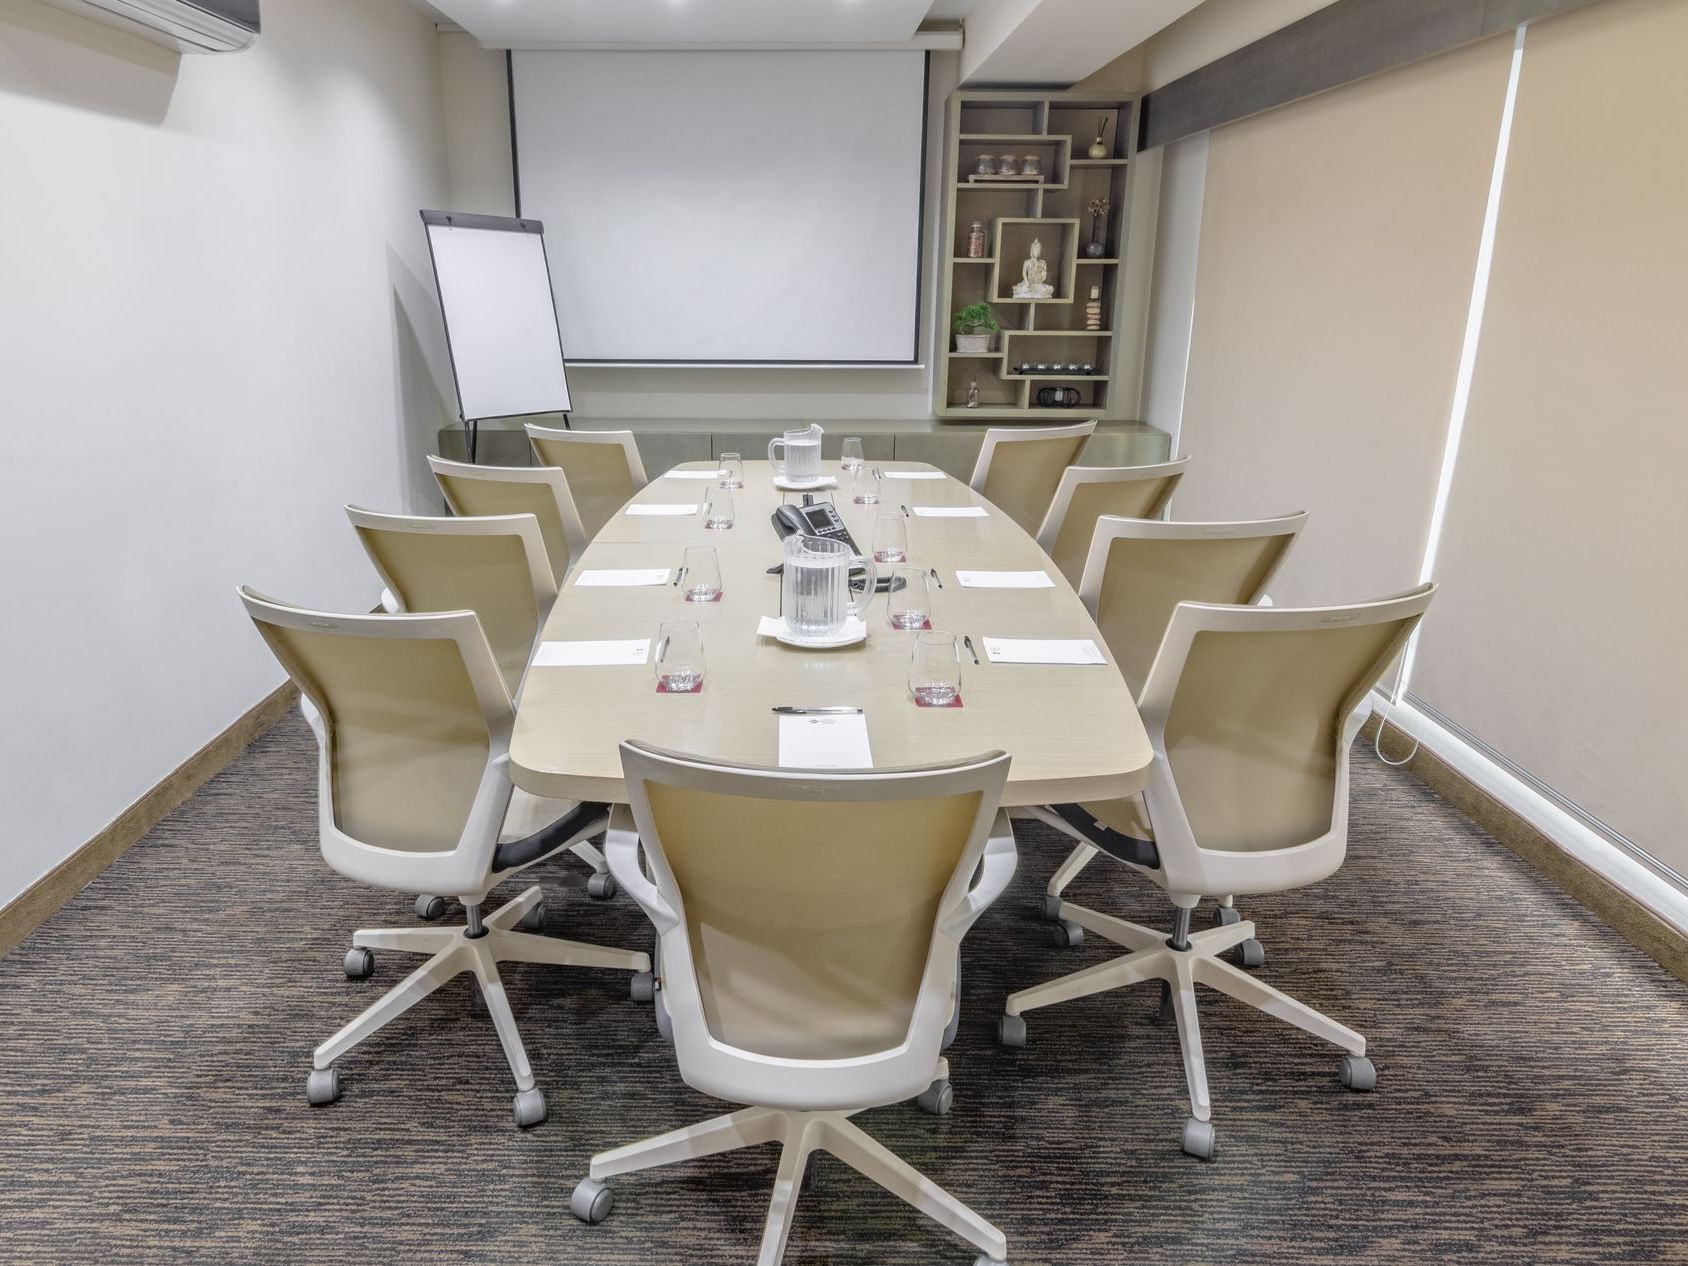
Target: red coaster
(953, 703)
(719, 594)
(663, 688)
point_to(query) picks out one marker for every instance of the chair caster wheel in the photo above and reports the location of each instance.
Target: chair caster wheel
(602, 887)
(1011, 1030)
(1357, 1072)
(534, 919)
(1198, 1139)
(937, 1099)
(1066, 935)
(642, 988)
(430, 908)
(322, 1087)
(529, 1108)
(1251, 953)
(1225, 916)
(591, 1201)
(359, 964)
(1050, 910)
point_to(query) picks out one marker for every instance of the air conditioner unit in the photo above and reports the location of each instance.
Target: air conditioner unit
(190, 26)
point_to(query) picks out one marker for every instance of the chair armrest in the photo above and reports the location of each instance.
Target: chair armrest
(621, 852)
(996, 869)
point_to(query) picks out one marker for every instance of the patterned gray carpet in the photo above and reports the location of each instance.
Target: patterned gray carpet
(1531, 1107)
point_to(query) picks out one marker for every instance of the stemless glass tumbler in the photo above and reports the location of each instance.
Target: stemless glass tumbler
(679, 657)
(702, 574)
(934, 675)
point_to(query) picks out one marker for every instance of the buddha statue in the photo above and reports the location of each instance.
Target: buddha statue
(1034, 276)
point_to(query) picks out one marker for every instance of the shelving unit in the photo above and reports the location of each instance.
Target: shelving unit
(1058, 128)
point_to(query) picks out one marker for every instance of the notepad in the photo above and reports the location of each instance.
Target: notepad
(623, 577)
(951, 512)
(592, 654)
(1019, 650)
(691, 474)
(913, 474)
(1005, 580)
(825, 742)
(660, 508)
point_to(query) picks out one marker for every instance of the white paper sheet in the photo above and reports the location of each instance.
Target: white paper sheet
(951, 512)
(1020, 650)
(592, 654)
(691, 474)
(1005, 580)
(825, 742)
(660, 508)
(620, 578)
(912, 474)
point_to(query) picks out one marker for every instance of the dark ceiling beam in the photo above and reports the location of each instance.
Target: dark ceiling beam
(1336, 45)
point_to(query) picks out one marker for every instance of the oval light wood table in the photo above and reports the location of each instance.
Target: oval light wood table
(1073, 730)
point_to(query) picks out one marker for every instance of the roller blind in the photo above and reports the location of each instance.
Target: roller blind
(1339, 239)
(1557, 639)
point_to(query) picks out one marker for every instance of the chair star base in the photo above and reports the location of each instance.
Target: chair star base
(800, 1135)
(454, 951)
(1152, 956)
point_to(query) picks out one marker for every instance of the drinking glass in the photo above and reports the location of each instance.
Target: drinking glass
(702, 581)
(679, 657)
(910, 601)
(864, 486)
(890, 537)
(934, 675)
(852, 453)
(718, 511)
(732, 470)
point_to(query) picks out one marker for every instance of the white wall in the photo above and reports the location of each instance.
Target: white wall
(215, 328)
(478, 149)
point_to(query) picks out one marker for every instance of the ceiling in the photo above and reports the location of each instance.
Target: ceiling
(1058, 41)
(502, 23)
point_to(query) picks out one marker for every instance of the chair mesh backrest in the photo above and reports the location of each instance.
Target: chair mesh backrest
(407, 739)
(1144, 580)
(1024, 474)
(489, 575)
(1124, 498)
(1253, 734)
(481, 496)
(598, 476)
(810, 922)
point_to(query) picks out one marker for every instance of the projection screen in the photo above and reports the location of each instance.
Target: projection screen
(723, 207)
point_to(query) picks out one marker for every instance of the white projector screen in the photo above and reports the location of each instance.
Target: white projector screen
(727, 207)
(500, 319)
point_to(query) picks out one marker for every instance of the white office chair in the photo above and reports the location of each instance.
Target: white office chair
(496, 566)
(1136, 573)
(1251, 712)
(603, 468)
(1086, 493)
(1019, 468)
(810, 926)
(542, 491)
(413, 729)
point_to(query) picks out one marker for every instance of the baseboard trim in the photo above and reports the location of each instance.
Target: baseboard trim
(1636, 903)
(45, 896)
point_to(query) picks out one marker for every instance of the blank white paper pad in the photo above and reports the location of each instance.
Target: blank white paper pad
(1005, 580)
(1020, 650)
(673, 511)
(825, 742)
(624, 577)
(912, 474)
(691, 474)
(592, 654)
(951, 512)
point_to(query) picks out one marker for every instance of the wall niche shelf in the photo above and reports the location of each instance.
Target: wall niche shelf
(1059, 129)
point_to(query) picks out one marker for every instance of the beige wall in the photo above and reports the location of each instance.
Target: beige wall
(1339, 238)
(1557, 639)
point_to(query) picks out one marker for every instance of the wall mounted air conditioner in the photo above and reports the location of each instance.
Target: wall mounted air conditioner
(191, 26)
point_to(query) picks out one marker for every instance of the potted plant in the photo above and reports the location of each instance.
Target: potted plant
(974, 326)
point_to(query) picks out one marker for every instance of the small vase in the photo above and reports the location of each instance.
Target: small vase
(1093, 250)
(972, 344)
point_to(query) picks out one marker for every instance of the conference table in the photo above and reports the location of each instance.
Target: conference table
(1072, 729)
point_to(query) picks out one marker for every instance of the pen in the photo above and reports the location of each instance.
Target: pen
(905, 511)
(786, 710)
(679, 574)
(936, 577)
(967, 641)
